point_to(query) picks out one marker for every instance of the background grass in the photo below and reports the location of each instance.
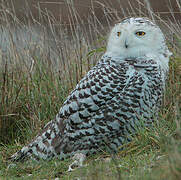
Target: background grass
(37, 72)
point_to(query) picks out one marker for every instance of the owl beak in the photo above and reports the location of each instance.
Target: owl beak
(126, 44)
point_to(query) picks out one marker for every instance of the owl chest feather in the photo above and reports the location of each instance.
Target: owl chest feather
(109, 80)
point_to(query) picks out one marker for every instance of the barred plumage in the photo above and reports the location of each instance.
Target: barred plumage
(111, 102)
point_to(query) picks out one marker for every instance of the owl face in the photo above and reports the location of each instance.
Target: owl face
(135, 37)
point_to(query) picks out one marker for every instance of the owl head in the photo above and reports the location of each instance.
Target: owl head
(136, 37)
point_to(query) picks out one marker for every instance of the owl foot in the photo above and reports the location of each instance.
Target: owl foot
(78, 158)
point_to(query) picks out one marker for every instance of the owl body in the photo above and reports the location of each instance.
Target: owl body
(114, 99)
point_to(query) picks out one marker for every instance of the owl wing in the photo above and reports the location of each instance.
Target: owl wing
(105, 107)
(109, 102)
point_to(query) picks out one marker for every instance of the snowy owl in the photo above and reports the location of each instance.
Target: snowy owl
(123, 91)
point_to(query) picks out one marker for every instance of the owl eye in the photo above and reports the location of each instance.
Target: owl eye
(118, 34)
(140, 33)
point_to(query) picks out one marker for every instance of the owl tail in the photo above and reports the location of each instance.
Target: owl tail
(40, 147)
(22, 155)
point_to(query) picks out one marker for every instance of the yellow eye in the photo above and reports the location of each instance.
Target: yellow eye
(140, 33)
(118, 33)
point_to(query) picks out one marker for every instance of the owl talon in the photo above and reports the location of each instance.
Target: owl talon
(78, 158)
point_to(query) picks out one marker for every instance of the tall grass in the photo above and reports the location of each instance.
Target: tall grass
(41, 62)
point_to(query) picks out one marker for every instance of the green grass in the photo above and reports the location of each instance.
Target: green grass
(154, 154)
(32, 91)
